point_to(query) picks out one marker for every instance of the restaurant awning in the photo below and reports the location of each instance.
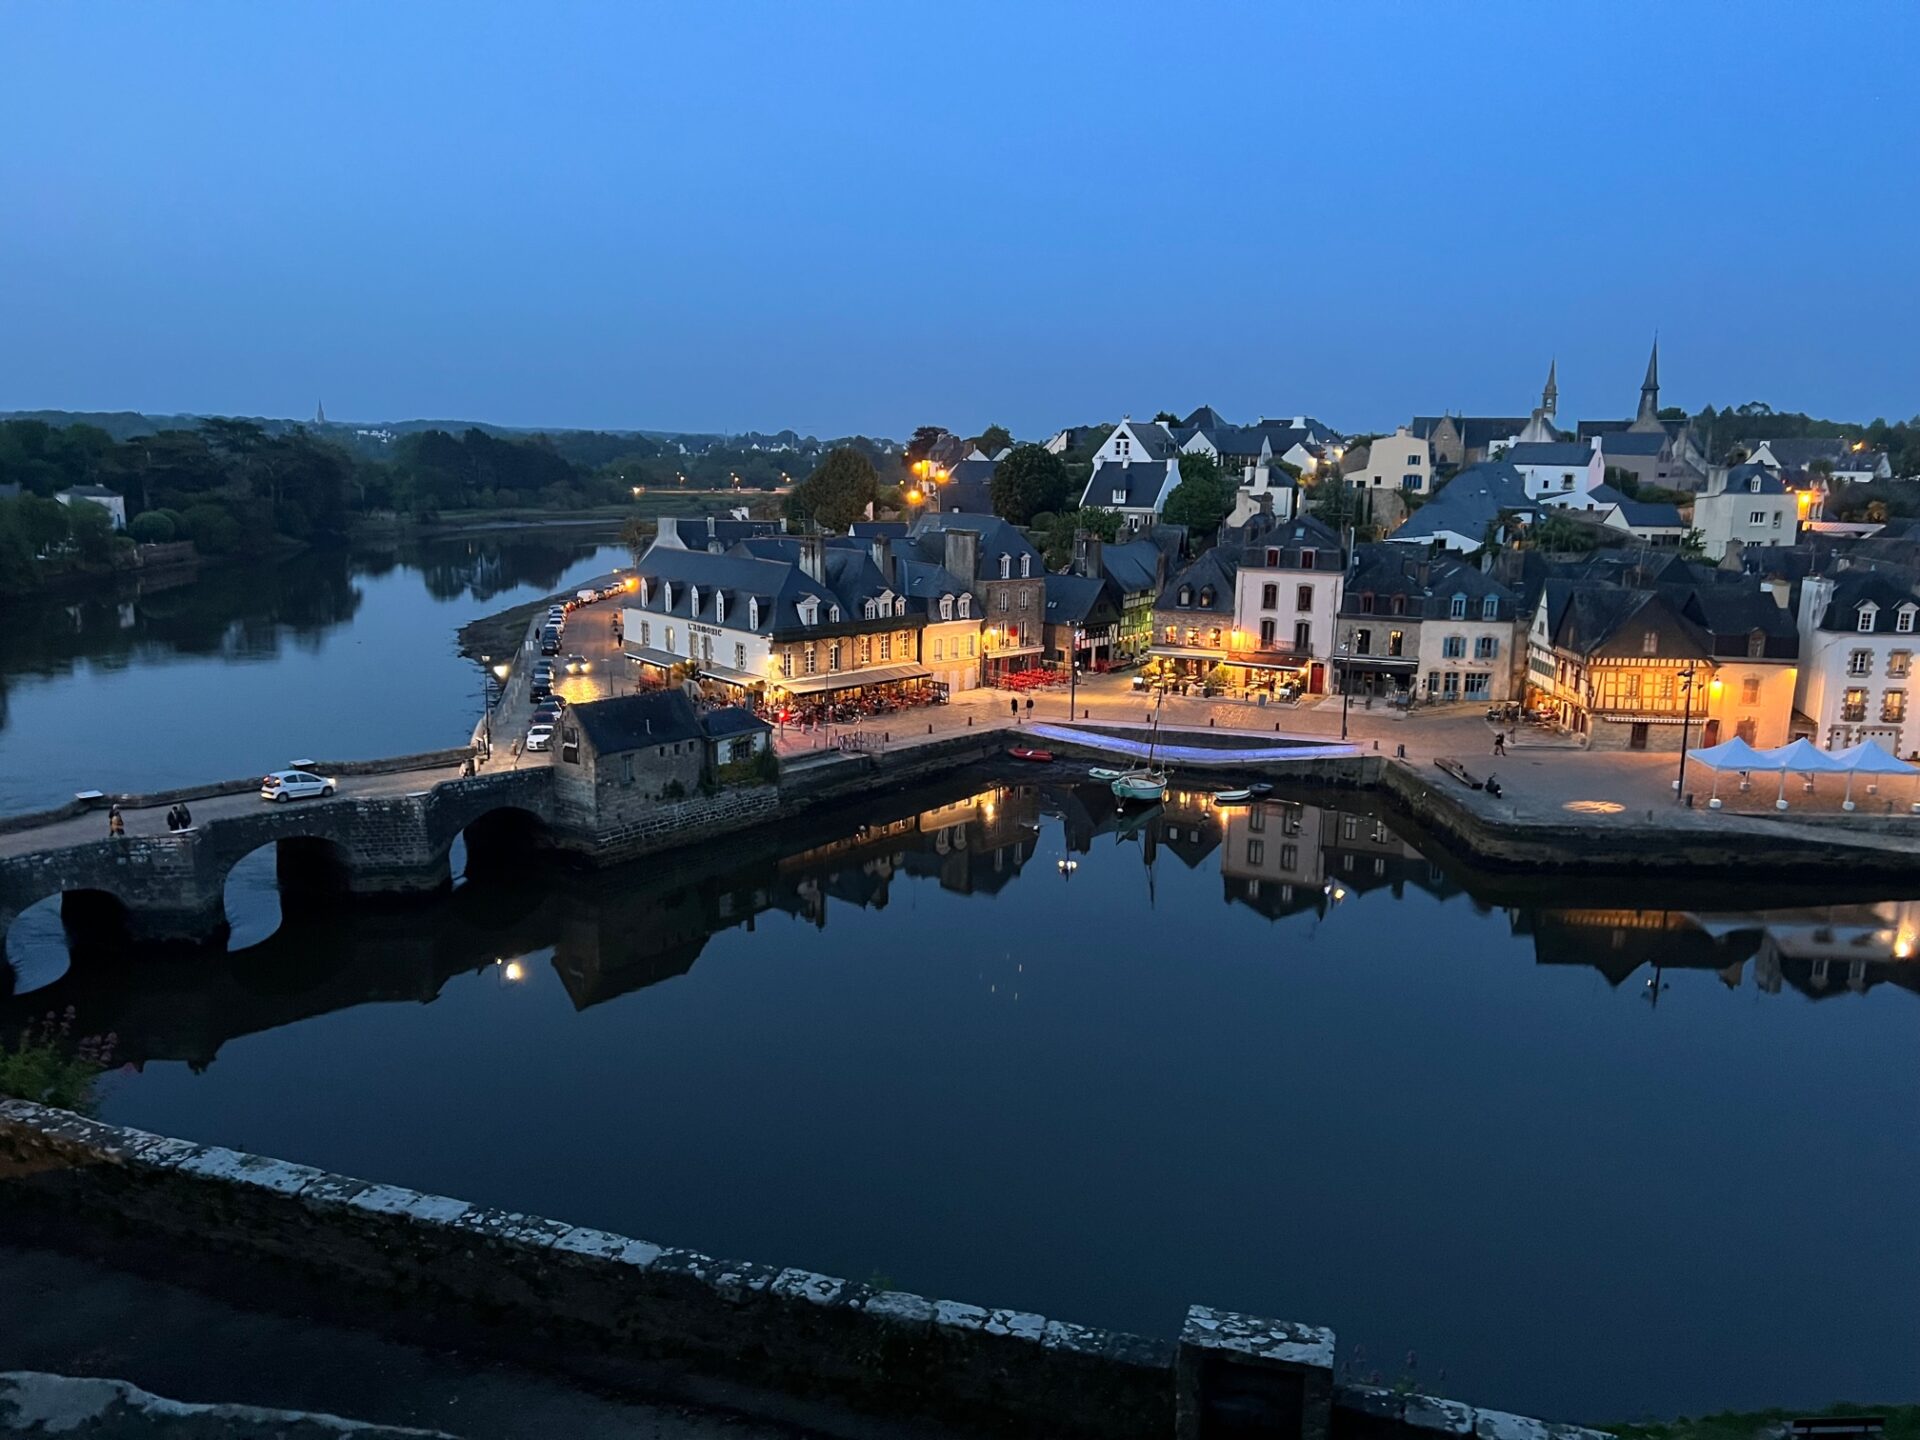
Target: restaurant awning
(727, 675)
(648, 655)
(851, 679)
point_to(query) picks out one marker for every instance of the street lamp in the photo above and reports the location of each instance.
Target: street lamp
(1346, 690)
(1686, 718)
(1079, 637)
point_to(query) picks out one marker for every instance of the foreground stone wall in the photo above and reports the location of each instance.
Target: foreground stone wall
(993, 1371)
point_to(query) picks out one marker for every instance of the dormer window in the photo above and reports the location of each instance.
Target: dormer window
(810, 611)
(1490, 608)
(966, 607)
(753, 614)
(1306, 559)
(1026, 567)
(900, 605)
(1206, 595)
(1186, 595)
(1756, 644)
(719, 608)
(872, 610)
(1754, 485)
(946, 607)
(1903, 619)
(1006, 567)
(1458, 608)
(1865, 623)
(666, 596)
(1119, 496)
(693, 600)
(833, 614)
(646, 590)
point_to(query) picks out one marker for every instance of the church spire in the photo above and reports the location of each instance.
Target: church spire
(319, 413)
(1550, 397)
(1650, 389)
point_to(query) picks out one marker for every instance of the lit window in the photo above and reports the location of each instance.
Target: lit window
(1893, 706)
(1650, 643)
(1750, 690)
(1899, 663)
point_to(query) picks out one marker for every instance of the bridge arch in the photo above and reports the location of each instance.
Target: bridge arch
(62, 929)
(498, 839)
(284, 875)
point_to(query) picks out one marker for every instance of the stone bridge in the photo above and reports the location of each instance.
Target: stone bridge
(171, 886)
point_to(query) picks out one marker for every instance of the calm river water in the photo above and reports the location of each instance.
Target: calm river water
(1582, 1151)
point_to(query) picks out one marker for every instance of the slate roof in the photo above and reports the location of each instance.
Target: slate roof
(1650, 515)
(634, 722)
(1292, 538)
(765, 568)
(1141, 484)
(1205, 418)
(1798, 454)
(1469, 502)
(1850, 591)
(1605, 494)
(1426, 585)
(923, 584)
(1154, 438)
(1477, 432)
(732, 720)
(1741, 477)
(1565, 452)
(1216, 570)
(928, 541)
(878, 530)
(1133, 567)
(1071, 598)
(1233, 439)
(1633, 442)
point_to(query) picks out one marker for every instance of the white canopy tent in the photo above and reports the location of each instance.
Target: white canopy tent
(1802, 757)
(1867, 758)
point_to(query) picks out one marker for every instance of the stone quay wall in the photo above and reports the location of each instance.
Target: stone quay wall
(988, 1371)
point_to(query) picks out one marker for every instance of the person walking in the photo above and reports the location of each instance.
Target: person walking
(1499, 742)
(1029, 708)
(1013, 708)
(186, 816)
(173, 817)
(116, 827)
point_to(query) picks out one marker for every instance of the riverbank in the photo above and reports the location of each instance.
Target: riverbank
(1903, 1423)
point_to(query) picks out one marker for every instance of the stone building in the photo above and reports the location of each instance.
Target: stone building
(617, 760)
(1628, 668)
(1003, 572)
(1428, 625)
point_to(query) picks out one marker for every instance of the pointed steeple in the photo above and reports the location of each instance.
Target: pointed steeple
(319, 413)
(1650, 390)
(1550, 397)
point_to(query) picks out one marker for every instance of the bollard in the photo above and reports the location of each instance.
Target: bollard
(929, 729)
(1086, 714)
(1210, 722)
(1276, 727)
(969, 722)
(1399, 752)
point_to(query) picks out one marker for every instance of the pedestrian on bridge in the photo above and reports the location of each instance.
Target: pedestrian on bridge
(116, 827)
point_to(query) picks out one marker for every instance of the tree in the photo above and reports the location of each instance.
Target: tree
(151, 527)
(1054, 531)
(923, 441)
(837, 493)
(1030, 480)
(1202, 498)
(43, 522)
(92, 531)
(994, 439)
(1166, 417)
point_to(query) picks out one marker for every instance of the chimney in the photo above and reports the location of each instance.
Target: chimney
(1087, 555)
(883, 558)
(1159, 569)
(813, 558)
(963, 554)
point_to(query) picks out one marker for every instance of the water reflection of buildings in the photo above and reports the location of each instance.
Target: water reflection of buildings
(1818, 951)
(615, 932)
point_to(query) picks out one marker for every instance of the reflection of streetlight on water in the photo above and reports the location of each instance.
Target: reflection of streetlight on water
(1067, 867)
(511, 971)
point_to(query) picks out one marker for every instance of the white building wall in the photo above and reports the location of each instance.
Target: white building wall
(1400, 461)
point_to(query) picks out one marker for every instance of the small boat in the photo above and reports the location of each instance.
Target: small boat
(1260, 787)
(1147, 783)
(1145, 786)
(1027, 752)
(1104, 775)
(1232, 797)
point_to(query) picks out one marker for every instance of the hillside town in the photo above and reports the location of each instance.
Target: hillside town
(1621, 583)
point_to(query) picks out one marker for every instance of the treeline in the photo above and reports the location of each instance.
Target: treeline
(1722, 430)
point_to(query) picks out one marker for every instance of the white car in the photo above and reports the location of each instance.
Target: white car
(286, 785)
(540, 737)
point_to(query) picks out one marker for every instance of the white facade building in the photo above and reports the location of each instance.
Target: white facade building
(1400, 461)
(1747, 503)
(1563, 473)
(1858, 634)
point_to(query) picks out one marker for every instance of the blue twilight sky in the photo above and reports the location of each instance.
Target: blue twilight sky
(849, 216)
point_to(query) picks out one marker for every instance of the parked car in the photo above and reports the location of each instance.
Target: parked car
(284, 785)
(550, 643)
(578, 665)
(540, 690)
(547, 713)
(540, 737)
